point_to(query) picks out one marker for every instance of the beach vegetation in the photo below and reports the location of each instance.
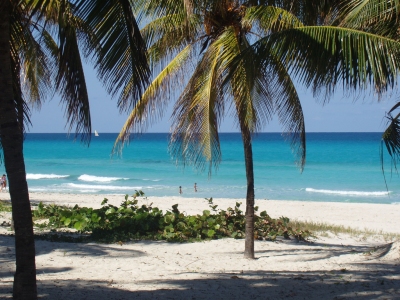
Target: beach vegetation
(42, 44)
(5, 206)
(321, 229)
(245, 58)
(131, 221)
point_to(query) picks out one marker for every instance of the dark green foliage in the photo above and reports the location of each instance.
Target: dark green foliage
(130, 221)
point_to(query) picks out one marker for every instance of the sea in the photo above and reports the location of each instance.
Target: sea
(340, 167)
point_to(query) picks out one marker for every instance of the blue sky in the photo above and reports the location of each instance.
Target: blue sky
(341, 114)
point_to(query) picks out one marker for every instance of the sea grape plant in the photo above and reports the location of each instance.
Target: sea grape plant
(130, 221)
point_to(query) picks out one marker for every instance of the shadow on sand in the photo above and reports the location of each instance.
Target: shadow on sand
(379, 281)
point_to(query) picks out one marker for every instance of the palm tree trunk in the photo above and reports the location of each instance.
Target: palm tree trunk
(248, 158)
(11, 135)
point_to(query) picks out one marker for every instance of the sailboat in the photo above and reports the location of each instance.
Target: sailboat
(95, 133)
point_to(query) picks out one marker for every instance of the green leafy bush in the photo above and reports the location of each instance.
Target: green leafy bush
(130, 221)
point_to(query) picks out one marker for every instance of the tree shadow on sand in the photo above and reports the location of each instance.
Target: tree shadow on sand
(373, 277)
(376, 284)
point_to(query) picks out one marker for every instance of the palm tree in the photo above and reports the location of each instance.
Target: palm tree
(40, 42)
(242, 57)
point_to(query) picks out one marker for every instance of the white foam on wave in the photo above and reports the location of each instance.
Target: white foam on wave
(45, 176)
(101, 187)
(91, 178)
(347, 193)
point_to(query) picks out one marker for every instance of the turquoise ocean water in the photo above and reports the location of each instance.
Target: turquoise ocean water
(341, 167)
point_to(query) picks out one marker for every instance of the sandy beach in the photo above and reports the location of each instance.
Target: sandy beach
(328, 267)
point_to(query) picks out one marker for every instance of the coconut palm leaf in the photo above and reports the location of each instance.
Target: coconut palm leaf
(287, 107)
(159, 8)
(355, 59)
(151, 105)
(156, 29)
(310, 12)
(58, 17)
(167, 38)
(195, 139)
(31, 57)
(121, 59)
(270, 18)
(376, 16)
(28, 60)
(71, 78)
(391, 137)
(249, 92)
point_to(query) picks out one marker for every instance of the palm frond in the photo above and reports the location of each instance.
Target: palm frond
(242, 84)
(376, 16)
(158, 8)
(195, 139)
(270, 18)
(323, 56)
(288, 107)
(22, 110)
(309, 12)
(34, 63)
(166, 37)
(121, 59)
(245, 83)
(153, 102)
(391, 136)
(70, 80)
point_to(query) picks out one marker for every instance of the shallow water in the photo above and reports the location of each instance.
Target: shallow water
(343, 167)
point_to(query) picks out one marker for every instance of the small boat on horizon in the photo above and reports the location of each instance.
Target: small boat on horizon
(95, 133)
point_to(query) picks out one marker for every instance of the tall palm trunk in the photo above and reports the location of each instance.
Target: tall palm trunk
(248, 158)
(11, 135)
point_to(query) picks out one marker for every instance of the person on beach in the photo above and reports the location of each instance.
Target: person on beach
(3, 182)
(180, 190)
(195, 187)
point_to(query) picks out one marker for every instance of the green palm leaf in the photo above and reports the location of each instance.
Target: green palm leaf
(376, 16)
(270, 18)
(355, 59)
(194, 139)
(166, 37)
(121, 59)
(153, 101)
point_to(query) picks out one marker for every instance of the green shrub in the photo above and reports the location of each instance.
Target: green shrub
(130, 221)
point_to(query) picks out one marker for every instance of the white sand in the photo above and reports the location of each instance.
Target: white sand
(335, 267)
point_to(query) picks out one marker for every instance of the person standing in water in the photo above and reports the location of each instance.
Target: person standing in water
(180, 190)
(195, 187)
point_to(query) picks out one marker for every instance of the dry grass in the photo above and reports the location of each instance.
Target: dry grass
(5, 206)
(325, 230)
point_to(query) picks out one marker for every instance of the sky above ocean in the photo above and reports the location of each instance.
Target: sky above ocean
(345, 112)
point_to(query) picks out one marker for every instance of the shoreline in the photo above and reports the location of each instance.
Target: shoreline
(369, 216)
